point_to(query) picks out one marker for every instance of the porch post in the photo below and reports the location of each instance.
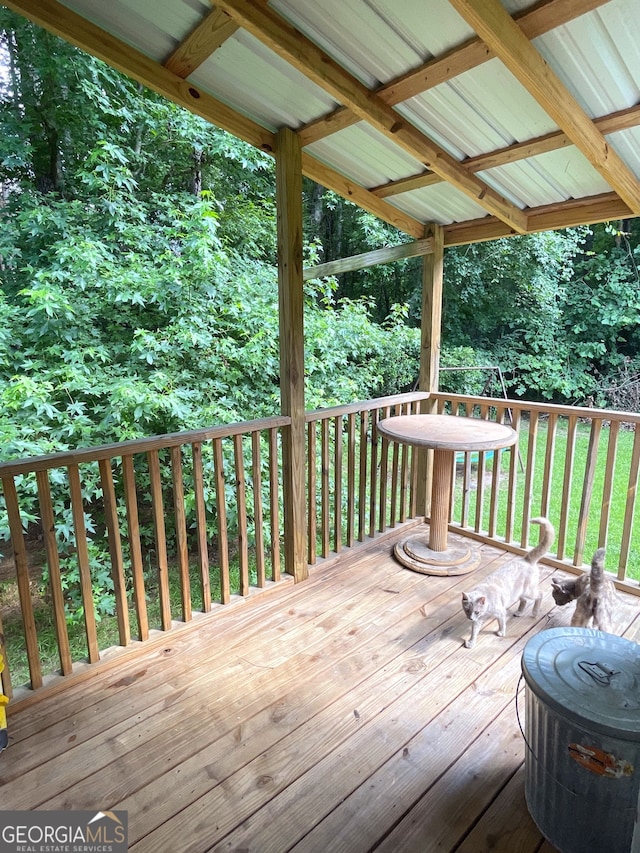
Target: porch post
(431, 323)
(290, 290)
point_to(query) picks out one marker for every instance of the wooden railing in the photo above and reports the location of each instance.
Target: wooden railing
(188, 520)
(192, 521)
(358, 485)
(576, 466)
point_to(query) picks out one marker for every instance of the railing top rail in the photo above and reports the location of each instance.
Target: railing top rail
(137, 445)
(366, 405)
(545, 408)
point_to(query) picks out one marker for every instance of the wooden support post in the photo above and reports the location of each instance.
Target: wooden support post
(291, 303)
(431, 322)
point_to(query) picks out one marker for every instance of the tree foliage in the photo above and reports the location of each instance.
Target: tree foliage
(138, 277)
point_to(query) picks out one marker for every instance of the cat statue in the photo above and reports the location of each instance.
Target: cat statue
(517, 579)
(594, 594)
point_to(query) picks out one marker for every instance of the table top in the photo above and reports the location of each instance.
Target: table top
(447, 432)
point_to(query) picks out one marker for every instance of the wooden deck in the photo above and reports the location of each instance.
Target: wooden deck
(339, 714)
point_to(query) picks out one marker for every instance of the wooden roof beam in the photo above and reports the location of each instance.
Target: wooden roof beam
(567, 214)
(621, 120)
(371, 259)
(299, 51)
(349, 190)
(503, 35)
(540, 19)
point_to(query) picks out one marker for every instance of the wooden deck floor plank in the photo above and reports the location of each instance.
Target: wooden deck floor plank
(469, 786)
(228, 626)
(442, 734)
(375, 737)
(287, 716)
(404, 662)
(228, 677)
(221, 641)
(112, 742)
(506, 826)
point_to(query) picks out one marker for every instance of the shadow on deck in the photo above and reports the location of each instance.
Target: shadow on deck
(340, 714)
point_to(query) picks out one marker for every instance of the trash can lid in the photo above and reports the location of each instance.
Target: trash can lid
(587, 675)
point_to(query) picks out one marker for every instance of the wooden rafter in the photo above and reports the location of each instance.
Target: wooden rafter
(500, 32)
(534, 22)
(66, 24)
(622, 120)
(212, 31)
(205, 38)
(318, 66)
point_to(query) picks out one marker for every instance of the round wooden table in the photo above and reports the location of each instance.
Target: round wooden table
(446, 435)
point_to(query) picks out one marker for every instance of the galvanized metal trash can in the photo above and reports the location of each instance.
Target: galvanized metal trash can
(582, 733)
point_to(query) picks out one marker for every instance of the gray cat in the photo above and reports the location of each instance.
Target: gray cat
(517, 579)
(594, 594)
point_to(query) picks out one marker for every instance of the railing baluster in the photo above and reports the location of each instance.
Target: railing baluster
(384, 474)
(274, 504)
(566, 486)
(466, 488)
(395, 453)
(241, 503)
(373, 485)
(201, 525)
(258, 520)
(324, 489)
(481, 477)
(115, 550)
(513, 477)
(496, 466)
(632, 492)
(404, 481)
(82, 553)
(337, 485)
(607, 488)
(157, 506)
(223, 537)
(351, 480)
(181, 532)
(312, 485)
(5, 676)
(532, 451)
(549, 455)
(362, 489)
(22, 577)
(135, 552)
(55, 579)
(587, 491)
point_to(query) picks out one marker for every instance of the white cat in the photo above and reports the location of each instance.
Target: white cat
(517, 579)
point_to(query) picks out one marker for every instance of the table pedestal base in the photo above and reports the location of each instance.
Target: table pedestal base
(459, 558)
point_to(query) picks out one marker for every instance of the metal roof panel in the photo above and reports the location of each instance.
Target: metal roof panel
(259, 83)
(365, 155)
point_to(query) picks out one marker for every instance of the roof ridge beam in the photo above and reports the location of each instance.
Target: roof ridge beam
(290, 44)
(503, 35)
